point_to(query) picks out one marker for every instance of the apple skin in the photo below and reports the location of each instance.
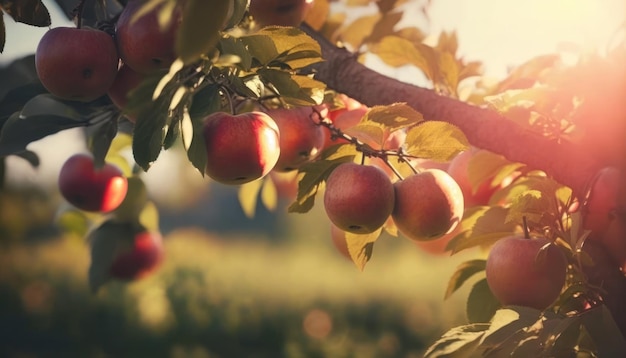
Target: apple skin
(428, 205)
(91, 189)
(76, 64)
(142, 44)
(301, 139)
(338, 238)
(516, 277)
(279, 12)
(140, 258)
(458, 169)
(240, 148)
(358, 198)
(126, 80)
(602, 200)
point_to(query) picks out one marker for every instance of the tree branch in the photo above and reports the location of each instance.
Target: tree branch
(565, 162)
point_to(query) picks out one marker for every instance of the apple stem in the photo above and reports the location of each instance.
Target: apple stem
(78, 13)
(525, 227)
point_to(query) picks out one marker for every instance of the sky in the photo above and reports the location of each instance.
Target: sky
(500, 33)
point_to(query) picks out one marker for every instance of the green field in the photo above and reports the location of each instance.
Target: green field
(229, 295)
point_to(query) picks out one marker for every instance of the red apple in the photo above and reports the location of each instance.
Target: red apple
(428, 205)
(89, 188)
(279, 12)
(338, 238)
(76, 64)
(518, 274)
(143, 45)
(358, 198)
(126, 80)
(301, 139)
(344, 120)
(240, 148)
(458, 169)
(602, 200)
(139, 258)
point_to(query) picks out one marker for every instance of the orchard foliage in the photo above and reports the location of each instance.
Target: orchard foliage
(227, 65)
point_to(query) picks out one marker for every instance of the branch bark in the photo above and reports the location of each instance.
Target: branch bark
(567, 163)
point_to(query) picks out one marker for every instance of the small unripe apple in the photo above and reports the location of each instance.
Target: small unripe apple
(428, 205)
(518, 274)
(143, 45)
(126, 80)
(89, 188)
(240, 148)
(301, 139)
(141, 256)
(76, 64)
(279, 12)
(358, 198)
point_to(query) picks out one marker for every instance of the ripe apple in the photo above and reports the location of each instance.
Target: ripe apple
(240, 148)
(518, 274)
(301, 139)
(358, 198)
(143, 45)
(89, 188)
(338, 238)
(428, 205)
(602, 199)
(279, 12)
(139, 257)
(458, 169)
(126, 80)
(343, 120)
(438, 246)
(76, 64)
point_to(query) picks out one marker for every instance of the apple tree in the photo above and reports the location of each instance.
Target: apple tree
(528, 168)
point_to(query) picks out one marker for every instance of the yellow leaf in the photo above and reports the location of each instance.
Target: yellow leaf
(359, 29)
(316, 17)
(269, 195)
(396, 51)
(248, 194)
(360, 247)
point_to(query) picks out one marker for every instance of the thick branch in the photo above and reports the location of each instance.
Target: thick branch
(565, 162)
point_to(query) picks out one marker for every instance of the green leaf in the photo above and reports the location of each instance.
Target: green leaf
(30, 12)
(99, 140)
(436, 140)
(200, 28)
(361, 247)
(248, 195)
(16, 99)
(239, 10)
(3, 34)
(481, 303)
(236, 47)
(204, 102)
(459, 342)
(135, 201)
(604, 332)
(18, 132)
(463, 272)
(532, 204)
(274, 43)
(105, 242)
(507, 321)
(485, 165)
(482, 226)
(295, 90)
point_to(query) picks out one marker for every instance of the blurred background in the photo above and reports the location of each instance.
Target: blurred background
(233, 286)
